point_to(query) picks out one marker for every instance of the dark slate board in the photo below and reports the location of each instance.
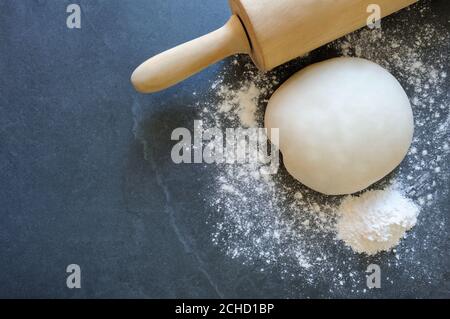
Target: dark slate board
(76, 187)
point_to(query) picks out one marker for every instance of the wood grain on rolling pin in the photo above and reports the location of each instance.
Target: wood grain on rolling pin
(280, 31)
(271, 31)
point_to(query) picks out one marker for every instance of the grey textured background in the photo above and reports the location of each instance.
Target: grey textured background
(75, 186)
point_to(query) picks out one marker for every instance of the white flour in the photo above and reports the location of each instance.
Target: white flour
(376, 220)
(242, 102)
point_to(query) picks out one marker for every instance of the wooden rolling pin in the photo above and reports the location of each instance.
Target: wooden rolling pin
(270, 31)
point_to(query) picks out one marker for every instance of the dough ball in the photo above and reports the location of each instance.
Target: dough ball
(344, 124)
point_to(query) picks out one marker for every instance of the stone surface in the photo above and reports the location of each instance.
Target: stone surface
(75, 186)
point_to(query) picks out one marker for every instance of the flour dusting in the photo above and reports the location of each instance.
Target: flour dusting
(274, 223)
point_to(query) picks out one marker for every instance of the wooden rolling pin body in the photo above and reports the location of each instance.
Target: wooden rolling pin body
(271, 31)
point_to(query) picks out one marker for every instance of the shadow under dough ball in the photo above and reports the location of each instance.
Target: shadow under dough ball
(344, 124)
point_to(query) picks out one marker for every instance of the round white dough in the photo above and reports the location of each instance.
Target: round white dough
(344, 124)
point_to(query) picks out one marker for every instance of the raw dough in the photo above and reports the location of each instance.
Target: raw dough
(344, 124)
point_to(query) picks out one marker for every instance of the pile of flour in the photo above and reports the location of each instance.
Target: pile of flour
(376, 220)
(274, 223)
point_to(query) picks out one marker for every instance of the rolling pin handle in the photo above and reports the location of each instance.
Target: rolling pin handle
(173, 66)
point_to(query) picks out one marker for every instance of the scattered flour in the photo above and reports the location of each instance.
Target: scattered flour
(242, 102)
(274, 223)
